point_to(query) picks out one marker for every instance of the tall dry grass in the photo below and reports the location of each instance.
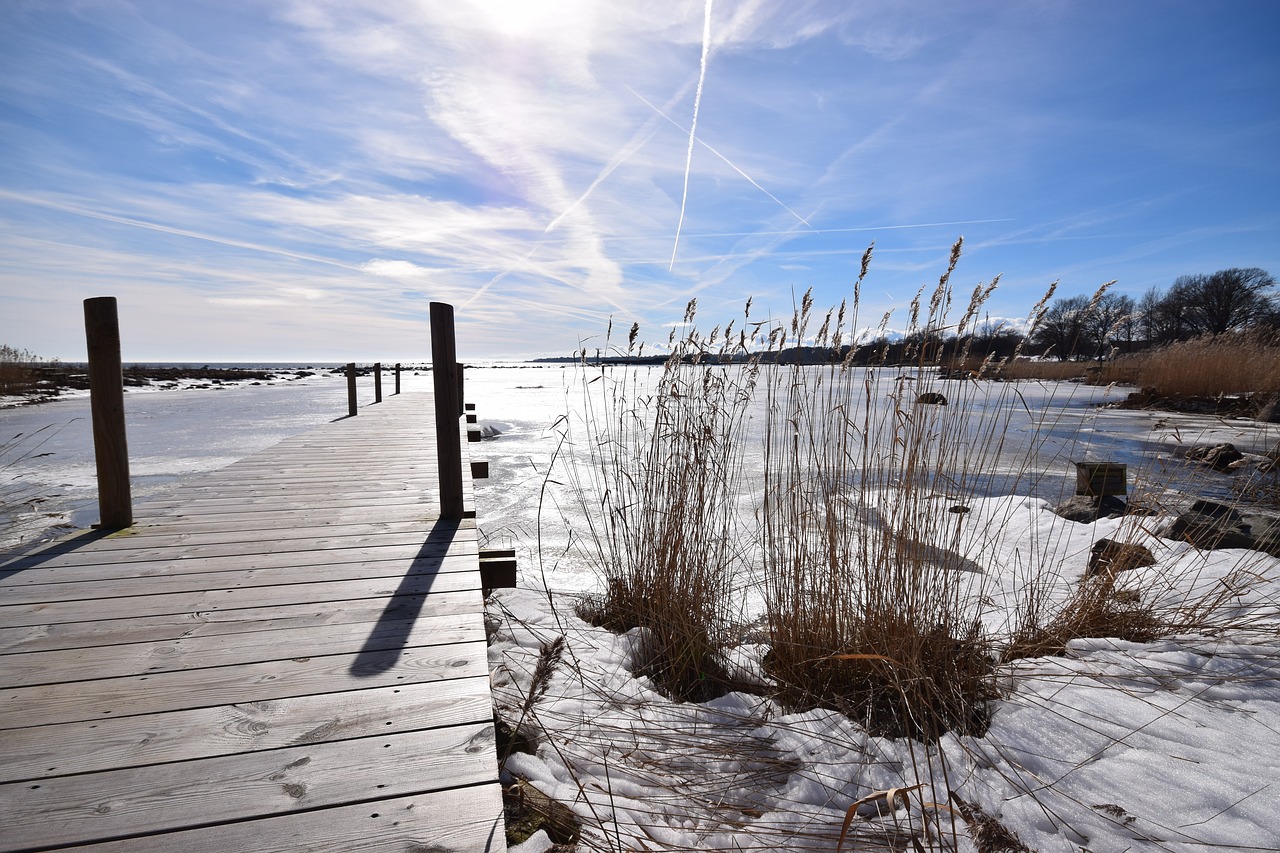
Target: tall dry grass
(666, 477)
(865, 617)
(1208, 366)
(846, 503)
(873, 590)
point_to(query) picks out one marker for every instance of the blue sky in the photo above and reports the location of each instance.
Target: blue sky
(280, 181)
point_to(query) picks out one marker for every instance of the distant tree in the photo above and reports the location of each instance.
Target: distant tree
(995, 338)
(1077, 327)
(1112, 319)
(1228, 300)
(1059, 333)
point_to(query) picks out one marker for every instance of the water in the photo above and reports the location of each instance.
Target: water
(47, 480)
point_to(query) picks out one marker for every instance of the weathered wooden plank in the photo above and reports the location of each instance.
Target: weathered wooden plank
(240, 506)
(368, 485)
(292, 520)
(112, 744)
(253, 682)
(465, 820)
(386, 511)
(77, 570)
(223, 576)
(146, 548)
(319, 494)
(154, 535)
(232, 598)
(210, 623)
(232, 649)
(116, 804)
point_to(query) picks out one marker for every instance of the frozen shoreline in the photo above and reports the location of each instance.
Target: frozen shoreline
(1162, 746)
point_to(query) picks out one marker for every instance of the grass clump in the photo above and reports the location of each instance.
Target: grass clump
(666, 479)
(862, 468)
(1208, 366)
(1096, 608)
(870, 577)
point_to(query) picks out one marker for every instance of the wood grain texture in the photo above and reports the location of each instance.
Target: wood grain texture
(288, 654)
(465, 820)
(173, 626)
(115, 580)
(251, 682)
(109, 744)
(54, 667)
(232, 598)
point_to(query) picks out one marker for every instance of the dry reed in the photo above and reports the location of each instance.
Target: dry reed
(666, 476)
(1205, 367)
(874, 595)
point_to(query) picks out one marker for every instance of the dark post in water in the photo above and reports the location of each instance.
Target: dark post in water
(106, 401)
(397, 377)
(377, 382)
(448, 405)
(351, 389)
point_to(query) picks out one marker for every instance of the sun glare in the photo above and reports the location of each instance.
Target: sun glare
(520, 19)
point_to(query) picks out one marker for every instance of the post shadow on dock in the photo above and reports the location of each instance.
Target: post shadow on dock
(389, 636)
(13, 563)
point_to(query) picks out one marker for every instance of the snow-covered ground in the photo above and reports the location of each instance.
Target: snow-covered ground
(1169, 745)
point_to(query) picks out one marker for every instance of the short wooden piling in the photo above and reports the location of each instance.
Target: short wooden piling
(462, 388)
(106, 401)
(351, 389)
(397, 377)
(447, 383)
(377, 382)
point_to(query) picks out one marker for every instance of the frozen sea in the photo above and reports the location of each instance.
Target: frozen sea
(47, 477)
(1167, 746)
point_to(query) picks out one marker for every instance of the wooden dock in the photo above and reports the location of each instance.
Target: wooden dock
(287, 654)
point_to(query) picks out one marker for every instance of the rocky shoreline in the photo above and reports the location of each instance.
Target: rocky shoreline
(46, 383)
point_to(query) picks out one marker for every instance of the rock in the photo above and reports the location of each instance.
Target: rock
(1110, 556)
(1269, 411)
(1265, 530)
(1086, 510)
(932, 398)
(1218, 456)
(1211, 526)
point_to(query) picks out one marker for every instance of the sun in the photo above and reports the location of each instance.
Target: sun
(520, 19)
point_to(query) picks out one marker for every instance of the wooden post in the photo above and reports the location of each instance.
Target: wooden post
(397, 377)
(106, 401)
(351, 389)
(448, 405)
(377, 382)
(462, 390)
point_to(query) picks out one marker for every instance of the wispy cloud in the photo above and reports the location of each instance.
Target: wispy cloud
(269, 173)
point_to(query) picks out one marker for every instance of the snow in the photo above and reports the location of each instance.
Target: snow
(1172, 745)
(1169, 745)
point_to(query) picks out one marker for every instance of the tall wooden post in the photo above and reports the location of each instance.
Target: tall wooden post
(377, 382)
(397, 377)
(448, 406)
(351, 389)
(106, 401)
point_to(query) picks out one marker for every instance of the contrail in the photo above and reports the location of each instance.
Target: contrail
(693, 127)
(168, 229)
(727, 161)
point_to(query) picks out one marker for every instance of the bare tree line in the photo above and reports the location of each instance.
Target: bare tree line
(1231, 300)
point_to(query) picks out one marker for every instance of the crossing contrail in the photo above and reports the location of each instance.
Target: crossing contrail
(693, 127)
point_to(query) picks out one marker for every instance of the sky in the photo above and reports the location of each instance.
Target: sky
(281, 181)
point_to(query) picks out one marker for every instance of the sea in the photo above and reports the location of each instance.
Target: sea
(541, 426)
